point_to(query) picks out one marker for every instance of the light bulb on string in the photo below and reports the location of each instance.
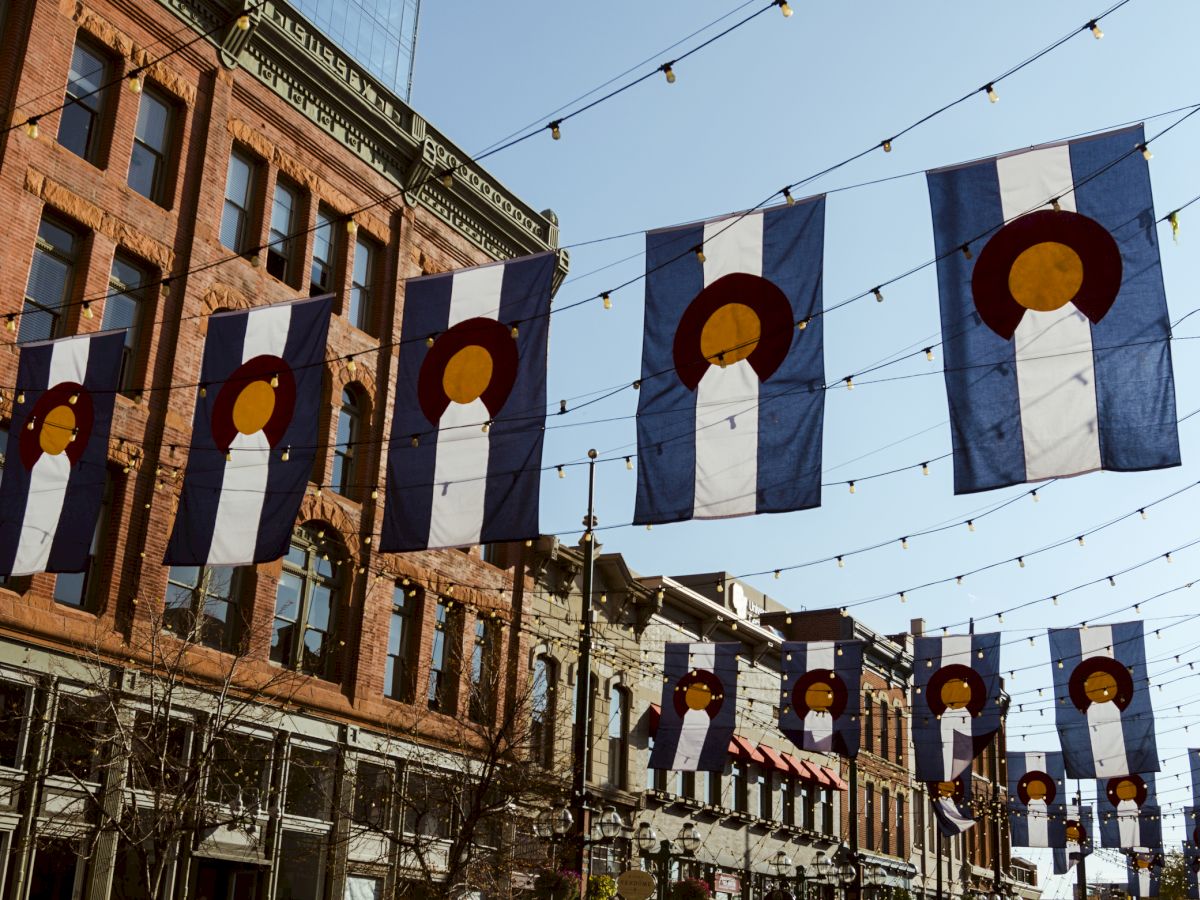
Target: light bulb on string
(561, 472)
(1080, 540)
(629, 463)
(784, 8)
(787, 196)
(924, 468)
(849, 379)
(970, 524)
(878, 294)
(31, 127)
(886, 144)
(929, 354)
(850, 484)
(903, 543)
(606, 300)
(668, 72)
(1146, 154)
(555, 129)
(841, 563)
(991, 93)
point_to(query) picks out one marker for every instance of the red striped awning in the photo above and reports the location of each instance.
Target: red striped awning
(773, 757)
(743, 749)
(803, 770)
(822, 776)
(838, 782)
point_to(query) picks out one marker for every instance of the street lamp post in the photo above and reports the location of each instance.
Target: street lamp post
(838, 868)
(647, 840)
(557, 826)
(780, 864)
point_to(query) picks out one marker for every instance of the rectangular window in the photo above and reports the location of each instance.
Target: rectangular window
(766, 789)
(59, 869)
(281, 250)
(50, 282)
(362, 284)
(443, 677)
(900, 845)
(484, 672)
(202, 605)
(618, 738)
(303, 875)
(324, 260)
(900, 738)
(363, 887)
(741, 790)
(712, 788)
(397, 679)
(919, 821)
(374, 786)
(123, 309)
(83, 589)
(239, 198)
(868, 821)
(14, 713)
(809, 804)
(787, 800)
(310, 783)
(827, 810)
(158, 757)
(152, 140)
(544, 707)
(885, 821)
(884, 733)
(239, 770)
(868, 731)
(80, 725)
(80, 124)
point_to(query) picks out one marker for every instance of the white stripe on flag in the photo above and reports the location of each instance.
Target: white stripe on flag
(818, 726)
(244, 485)
(695, 721)
(1056, 381)
(1039, 822)
(1104, 719)
(1128, 820)
(955, 724)
(49, 475)
(727, 397)
(460, 472)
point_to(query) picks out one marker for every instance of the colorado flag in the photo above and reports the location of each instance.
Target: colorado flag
(1036, 790)
(1071, 836)
(1128, 809)
(1191, 867)
(732, 391)
(699, 701)
(55, 462)
(955, 703)
(1145, 870)
(820, 695)
(1103, 713)
(1054, 319)
(254, 434)
(466, 450)
(951, 804)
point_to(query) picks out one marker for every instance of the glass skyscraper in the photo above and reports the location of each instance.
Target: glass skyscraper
(380, 34)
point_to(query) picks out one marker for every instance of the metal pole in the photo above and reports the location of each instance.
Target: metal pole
(1081, 868)
(997, 820)
(581, 753)
(854, 891)
(939, 861)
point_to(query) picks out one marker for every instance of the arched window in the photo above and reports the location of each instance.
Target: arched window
(618, 737)
(349, 433)
(307, 600)
(544, 702)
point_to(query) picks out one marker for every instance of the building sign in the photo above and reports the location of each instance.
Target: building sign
(724, 883)
(636, 884)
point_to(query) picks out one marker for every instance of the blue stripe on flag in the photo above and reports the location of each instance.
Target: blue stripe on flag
(980, 367)
(33, 373)
(1135, 387)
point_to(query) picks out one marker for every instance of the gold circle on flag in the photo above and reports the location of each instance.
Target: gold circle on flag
(1036, 789)
(467, 374)
(57, 428)
(253, 407)
(945, 789)
(1074, 833)
(730, 334)
(1126, 789)
(1100, 687)
(1046, 276)
(697, 696)
(819, 696)
(956, 693)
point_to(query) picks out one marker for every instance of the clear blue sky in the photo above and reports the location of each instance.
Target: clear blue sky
(775, 102)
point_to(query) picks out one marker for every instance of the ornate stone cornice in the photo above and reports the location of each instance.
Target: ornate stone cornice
(330, 89)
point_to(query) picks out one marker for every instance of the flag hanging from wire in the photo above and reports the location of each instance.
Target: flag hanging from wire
(1191, 868)
(699, 702)
(1191, 828)
(820, 695)
(254, 434)
(955, 703)
(1145, 871)
(1103, 713)
(1127, 806)
(464, 463)
(1036, 789)
(1054, 317)
(732, 397)
(951, 804)
(56, 459)
(1070, 836)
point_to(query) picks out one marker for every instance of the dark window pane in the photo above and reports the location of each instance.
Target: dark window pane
(57, 866)
(361, 286)
(373, 788)
(12, 721)
(310, 783)
(79, 727)
(240, 769)
(158, 752)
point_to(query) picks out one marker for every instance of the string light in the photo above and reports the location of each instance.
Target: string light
(929, 354)
(287, 453)
(841, 563)
(699, 251)
(134, 81)
(607, 300)
(924, 468)
(556, 129)
(1094, 26)
(1021, 561)
(10, 322)
(970, 524)
(629, 463)
(787, 196)
(87, 310)
(31, 127)
(515, 331)
(850, 484)
(1167, 557)
(1080, 540)
(1142, 512)
(849, 379)
(903, 597)
(1146, 152)
(562, 472)
(243, 23)
(991, 92)
(784, 8)
(429, 341)
(352, 226)
(447, 180)
(667, 71)
(903, 543)
(1173, 218)
(886, 144)
(1034, 495)
(878, 294)
(966, 251)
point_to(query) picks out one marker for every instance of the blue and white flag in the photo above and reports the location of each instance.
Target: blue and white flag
(820, 695)
(1145, 870)
(1128, 809)
(1036, 789)
(1191, 868)
(254, 434)
(955, 703)
(55, 462)
(1191, 829)
(1103, 713)
(732, 394)
(699, 707)
(1054, 318)
(1194, 765)
(464, 463)
(951, 805)
(1070, 836)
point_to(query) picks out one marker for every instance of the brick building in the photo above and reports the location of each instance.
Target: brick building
(148, 203)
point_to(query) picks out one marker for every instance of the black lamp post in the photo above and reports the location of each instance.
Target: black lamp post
(838, 868)
(647, 839)
(780, 864)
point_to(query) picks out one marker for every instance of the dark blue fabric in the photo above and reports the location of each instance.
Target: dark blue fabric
(980, 369)
(791, 403)
(1149, 826)
(516, 435)
(1134, 883)
(1019, 765)
(1194, 762)
(304, 351)
(953, 815)
(1191, 863)
(1131, 347)
(84, 496)
(1058, 836)
(1137, 719)
(848, 669)
(926, 728)
(715, 752)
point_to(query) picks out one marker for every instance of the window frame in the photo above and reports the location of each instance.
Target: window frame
(345, 457)
(401, 684)
(620, 699)
(307, 539)
(246, 212)
(360, 307)
(94, 104)
(442, 694)
(162, 158)
(131, 369)
(485, 644)
(542, 731)
(885, 735)
(325, 219)
(235, 617)
(70, 260)
(282, 245)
